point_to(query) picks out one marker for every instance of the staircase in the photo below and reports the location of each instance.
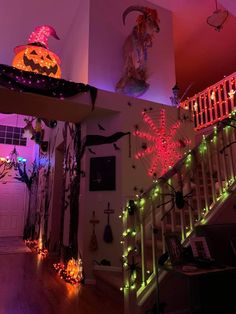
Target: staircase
(188, 195)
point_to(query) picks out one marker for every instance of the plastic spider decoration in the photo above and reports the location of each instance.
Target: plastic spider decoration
(177, 199)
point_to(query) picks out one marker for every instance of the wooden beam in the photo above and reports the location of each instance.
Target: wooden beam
(73, 109)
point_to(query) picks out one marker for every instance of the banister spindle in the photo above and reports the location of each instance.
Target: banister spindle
(154, 238)
(223, 158)
(189, 202)
(143, 257)
(210, 163)
(205, 185)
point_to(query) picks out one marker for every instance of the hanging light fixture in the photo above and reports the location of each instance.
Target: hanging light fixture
(218, 18)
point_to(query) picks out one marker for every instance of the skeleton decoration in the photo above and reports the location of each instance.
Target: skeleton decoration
(133, 82)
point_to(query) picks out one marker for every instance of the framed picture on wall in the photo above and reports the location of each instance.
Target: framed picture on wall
(102, 175)
(200, 248)
(174, 248)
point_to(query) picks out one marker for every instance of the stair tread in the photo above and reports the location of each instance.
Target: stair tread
(112, 278)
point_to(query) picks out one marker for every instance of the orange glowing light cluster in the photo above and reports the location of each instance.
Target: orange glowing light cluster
(72, 273)
(39, 60)
(35, 247)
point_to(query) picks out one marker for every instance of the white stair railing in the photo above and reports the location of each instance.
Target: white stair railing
(213, 104)
(186, 196)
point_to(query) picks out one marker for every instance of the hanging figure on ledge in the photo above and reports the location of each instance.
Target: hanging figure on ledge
(133, 81)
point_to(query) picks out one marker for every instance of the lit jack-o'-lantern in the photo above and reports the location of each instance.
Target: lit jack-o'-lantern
(36, 57)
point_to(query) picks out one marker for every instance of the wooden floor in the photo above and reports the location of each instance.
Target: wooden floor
(29, 285)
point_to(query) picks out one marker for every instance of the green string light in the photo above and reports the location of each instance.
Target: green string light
(188, 160)
(142, 201)
(203, 145)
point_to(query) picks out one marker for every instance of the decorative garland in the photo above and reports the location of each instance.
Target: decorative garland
(31, 82)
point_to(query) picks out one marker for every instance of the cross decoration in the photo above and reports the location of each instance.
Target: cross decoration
(93, 245)
(108, 211)
(94, 221)
(108, 236)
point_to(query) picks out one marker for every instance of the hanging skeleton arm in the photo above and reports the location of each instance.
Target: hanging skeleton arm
(136, 45)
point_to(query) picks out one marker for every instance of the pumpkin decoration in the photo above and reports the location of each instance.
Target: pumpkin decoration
(36, 57)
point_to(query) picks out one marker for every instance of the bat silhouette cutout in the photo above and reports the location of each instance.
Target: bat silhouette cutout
(101, 127)
(91, 151)
(92, 140)
(116, 147)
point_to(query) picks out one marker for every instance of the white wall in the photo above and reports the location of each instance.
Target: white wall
(229, 5)
(75, 53)
(126, 177)
(98, 200)
(92, 49)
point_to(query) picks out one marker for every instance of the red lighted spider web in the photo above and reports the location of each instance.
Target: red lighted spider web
(162, 148)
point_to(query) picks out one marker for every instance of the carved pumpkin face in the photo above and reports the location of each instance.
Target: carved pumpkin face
(37, 59)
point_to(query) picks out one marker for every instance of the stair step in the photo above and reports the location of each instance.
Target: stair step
(109, 275)
(109, 280)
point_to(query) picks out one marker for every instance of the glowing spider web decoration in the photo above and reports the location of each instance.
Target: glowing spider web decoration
(161, 147)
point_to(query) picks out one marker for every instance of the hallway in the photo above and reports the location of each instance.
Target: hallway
(29, 285)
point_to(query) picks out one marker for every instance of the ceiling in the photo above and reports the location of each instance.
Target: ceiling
(203, 55)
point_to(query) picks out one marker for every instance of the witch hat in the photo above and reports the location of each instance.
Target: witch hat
(39, 37)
